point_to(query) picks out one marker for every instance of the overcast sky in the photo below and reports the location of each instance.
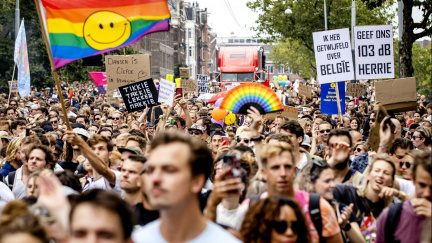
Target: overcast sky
(223, 23)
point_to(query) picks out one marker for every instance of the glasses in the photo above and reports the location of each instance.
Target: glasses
(325, 131)
(194, 132)
(372, 119)
(246, 140)
(54, 122)
(407, 164)
(116, 118)
(282, 226)
(415, 137)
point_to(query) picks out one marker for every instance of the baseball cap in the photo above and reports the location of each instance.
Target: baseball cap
(150, 124)
(215, 126)
(82, 132)
(196, 127)
(131, 149)
(306, 141)
(4, 134)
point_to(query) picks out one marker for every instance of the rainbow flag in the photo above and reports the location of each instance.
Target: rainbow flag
(82, 28)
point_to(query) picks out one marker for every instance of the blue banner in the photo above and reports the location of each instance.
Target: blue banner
(329, 100)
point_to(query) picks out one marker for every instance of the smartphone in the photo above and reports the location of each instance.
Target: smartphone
(179, 91)
(232, 160)
(225, 140)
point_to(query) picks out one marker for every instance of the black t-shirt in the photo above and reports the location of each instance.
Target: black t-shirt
(363, 207)
(144, 216)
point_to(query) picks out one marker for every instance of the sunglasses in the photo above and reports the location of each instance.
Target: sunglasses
(325, 131)
(407, 164)
(246, 140)
(54, 122)
(116, 118)
(372, 119)
(415, 137)
(109, 118)
(358, 150)
(97, 119)
(194, 132)
(282, 226)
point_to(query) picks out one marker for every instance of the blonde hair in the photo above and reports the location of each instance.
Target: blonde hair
(12, 148)
(122, 137)
(272, 150)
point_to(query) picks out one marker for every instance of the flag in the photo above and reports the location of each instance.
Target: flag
(21, 60)
(82, 28)
(100, 80)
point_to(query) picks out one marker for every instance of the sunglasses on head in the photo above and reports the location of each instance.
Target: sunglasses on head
(325, 131)
(282, 226)
(246, 140)
(407, 164)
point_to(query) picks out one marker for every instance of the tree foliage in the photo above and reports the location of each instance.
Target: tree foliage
(296, 29)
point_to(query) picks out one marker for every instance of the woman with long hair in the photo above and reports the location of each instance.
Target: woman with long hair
(13, 157)
(355, 124)
(275, 220)
(318, 177)
(306, 124)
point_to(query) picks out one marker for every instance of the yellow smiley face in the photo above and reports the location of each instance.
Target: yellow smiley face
(105, 29)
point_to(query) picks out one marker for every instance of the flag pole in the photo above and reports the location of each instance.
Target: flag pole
(53, 68)
(10, 88)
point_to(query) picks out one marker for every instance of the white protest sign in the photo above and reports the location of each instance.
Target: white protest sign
(166, 92)
(333, 56)
(203, 83)
(374, 52)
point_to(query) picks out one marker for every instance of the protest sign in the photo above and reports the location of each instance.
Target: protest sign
(305, 90)
(289, 112)
(333, 55)
(355, 90)
(178, 82)
(329, 100)
(139, 94)
(397, 95)
(166, 92)
(13, 86)
(170, 77)
(203, 83)
(374, 52)
(123, 70)
(184, 72)
(189, 85)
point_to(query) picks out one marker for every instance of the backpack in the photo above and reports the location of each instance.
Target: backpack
(314, 212)
(11, 179)
(392, 222)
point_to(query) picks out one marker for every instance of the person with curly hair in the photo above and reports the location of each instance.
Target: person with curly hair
(280, 220)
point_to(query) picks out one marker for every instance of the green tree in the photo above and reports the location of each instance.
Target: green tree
(422, 68)
(274, 26)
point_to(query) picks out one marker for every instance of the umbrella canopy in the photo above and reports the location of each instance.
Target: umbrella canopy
(217, 96)
(205, 97)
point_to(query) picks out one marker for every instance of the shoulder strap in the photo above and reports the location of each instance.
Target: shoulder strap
(254, 198)
(392, 222)
(11, 179)
(315, 213)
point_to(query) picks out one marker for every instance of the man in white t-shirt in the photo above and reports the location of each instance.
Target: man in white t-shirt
(176, 171)
(97, 150)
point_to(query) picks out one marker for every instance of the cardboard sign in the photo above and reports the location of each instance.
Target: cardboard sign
(305, 90)
(189, 85)
(203, 83)
(184, 72)
(333, 55)
(139, 94)
(374, 52)
(13, 86)
(397, 95)
(289, 112)
(355, 90)
(123, 70)
(166, 92)
(329, 100)
(170, 77)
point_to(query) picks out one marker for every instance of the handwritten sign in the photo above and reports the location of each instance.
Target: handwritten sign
(13, 86)
(184, 72)
(139, 94)
(189, 85)
(203, 83)
(290, 112)
(333, 55)
(355, 90)
(166, 92)
(306, 91)
(123, 70)
(374, 51)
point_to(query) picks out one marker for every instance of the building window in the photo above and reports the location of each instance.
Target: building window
(190, 51)
(248, 40)
(242, 41)
(281, 69)
(189, 33)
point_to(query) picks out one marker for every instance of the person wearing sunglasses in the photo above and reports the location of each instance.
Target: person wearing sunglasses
(421, 137)
(54, 120)
(244, 136)
(196, 131)
(97, 118)
(280, 220)
(318, 177)
(398, 150)
(117, 118)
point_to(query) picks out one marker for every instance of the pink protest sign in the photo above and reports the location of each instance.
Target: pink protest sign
(99, 78)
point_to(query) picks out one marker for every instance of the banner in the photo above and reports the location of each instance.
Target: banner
(139, 94)
(329, 100)
(374, 52)
(166, 92)
(333, 56)
(22, 62)
(123, 70)
(189, 85)
(203, 83)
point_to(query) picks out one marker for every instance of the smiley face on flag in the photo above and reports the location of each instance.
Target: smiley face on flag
(106, 29)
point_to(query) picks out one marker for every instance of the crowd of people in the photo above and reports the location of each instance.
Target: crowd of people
(170, 174)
